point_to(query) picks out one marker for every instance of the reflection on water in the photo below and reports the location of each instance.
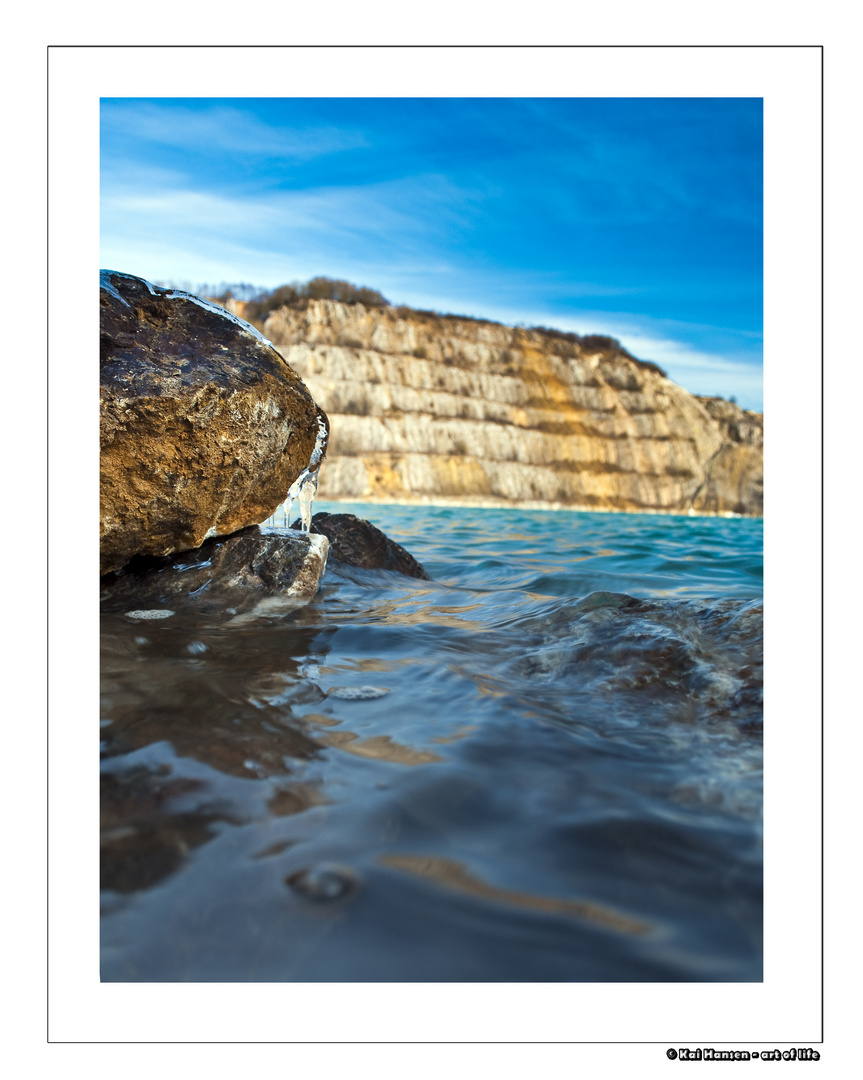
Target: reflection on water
(381, 747)
(547, 767)
(454, 876)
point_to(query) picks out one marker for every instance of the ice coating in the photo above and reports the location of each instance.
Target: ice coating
(320, 443)
(307, 497)
(106, 284)
(305, 486)
(178, 294)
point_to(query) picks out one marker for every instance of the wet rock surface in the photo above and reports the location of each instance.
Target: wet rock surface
(203, 425)
(357, 542)
(237, 571)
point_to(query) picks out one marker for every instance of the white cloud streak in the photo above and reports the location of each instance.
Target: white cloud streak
(223, 129)
(372, 233)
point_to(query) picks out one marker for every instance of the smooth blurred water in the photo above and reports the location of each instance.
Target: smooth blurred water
(544, 764)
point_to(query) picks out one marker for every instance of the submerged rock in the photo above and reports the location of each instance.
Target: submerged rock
(232, 574)
(357, 542)
(204, 427)
(696, 661)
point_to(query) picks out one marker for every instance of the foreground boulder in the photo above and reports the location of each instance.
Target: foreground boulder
(232, 575)
(357, 542)
(203, 426)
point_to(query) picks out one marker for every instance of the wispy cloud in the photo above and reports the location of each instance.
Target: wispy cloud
(700, 372)
(225, 129)
(410, 219)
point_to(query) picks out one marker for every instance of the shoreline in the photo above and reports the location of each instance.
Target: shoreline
(530, 504)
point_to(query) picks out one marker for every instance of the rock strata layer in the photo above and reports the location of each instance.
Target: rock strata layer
(357, 542)
(235, 572)
(428, 407)
(734, 478)
(203, 425)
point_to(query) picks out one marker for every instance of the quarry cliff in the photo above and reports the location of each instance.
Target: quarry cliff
(425, 407)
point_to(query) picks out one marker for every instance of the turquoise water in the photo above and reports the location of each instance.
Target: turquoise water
(544, 764)
(569, 553)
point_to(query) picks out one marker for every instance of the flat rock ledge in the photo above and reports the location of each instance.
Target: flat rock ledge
(203, 426)
(247, 574)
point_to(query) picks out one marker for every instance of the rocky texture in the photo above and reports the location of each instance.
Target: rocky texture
(204, 427)
(426, 407)
(359, 543)
(737, 425)
(734, 478)
(233, 574)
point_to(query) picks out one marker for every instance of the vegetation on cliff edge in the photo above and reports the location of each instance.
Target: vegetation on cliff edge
(259, 304)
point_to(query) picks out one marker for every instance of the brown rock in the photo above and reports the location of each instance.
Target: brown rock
(204, 427)
(357, 542)
(736, 425)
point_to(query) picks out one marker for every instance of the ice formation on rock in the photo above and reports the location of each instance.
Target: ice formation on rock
(304, 487)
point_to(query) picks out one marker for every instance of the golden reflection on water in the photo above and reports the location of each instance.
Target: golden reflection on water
(320, 718)
(461, 733)
(441, 616)
(396, 613)
(378, 746)
(570, 558)
(366, 664)
(453, 875)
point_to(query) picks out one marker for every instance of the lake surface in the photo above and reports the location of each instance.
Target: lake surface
(543, 765)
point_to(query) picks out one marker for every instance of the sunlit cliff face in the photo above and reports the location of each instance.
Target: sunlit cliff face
(426, 407)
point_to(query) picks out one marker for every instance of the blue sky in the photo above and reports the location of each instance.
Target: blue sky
(635, 217)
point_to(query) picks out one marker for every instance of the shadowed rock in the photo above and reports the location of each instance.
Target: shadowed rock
(204, 427)
(357, 542)
(237, 571)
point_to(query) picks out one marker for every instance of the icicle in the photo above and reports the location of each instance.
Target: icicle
(305, 486)
(294, 493)
(307, 496)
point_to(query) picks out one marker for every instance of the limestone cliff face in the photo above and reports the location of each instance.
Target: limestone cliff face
(735, 477)
(425, 406)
